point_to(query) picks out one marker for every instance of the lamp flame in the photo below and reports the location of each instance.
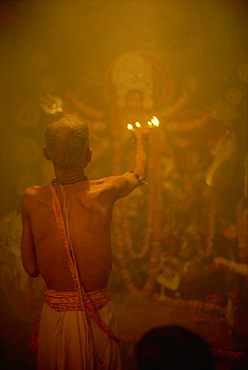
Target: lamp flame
(155, 121)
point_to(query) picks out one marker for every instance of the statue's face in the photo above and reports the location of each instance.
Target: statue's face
(134, 101)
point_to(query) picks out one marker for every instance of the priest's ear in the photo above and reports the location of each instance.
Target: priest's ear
(44, 149)
(88, 157)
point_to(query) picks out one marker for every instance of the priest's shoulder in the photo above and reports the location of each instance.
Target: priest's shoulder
(34, 190)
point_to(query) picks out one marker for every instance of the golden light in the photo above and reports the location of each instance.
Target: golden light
(137, 124)
(130, 126)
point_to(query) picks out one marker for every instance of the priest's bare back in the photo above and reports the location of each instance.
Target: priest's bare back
(86, 206)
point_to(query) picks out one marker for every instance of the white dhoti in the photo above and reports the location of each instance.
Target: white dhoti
(69, 339)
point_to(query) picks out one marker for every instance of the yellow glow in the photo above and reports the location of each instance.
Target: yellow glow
(129, 126)
(137, 124)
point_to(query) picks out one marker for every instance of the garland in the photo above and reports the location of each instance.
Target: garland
(241, 224)
(211, 229)
(157, 211)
